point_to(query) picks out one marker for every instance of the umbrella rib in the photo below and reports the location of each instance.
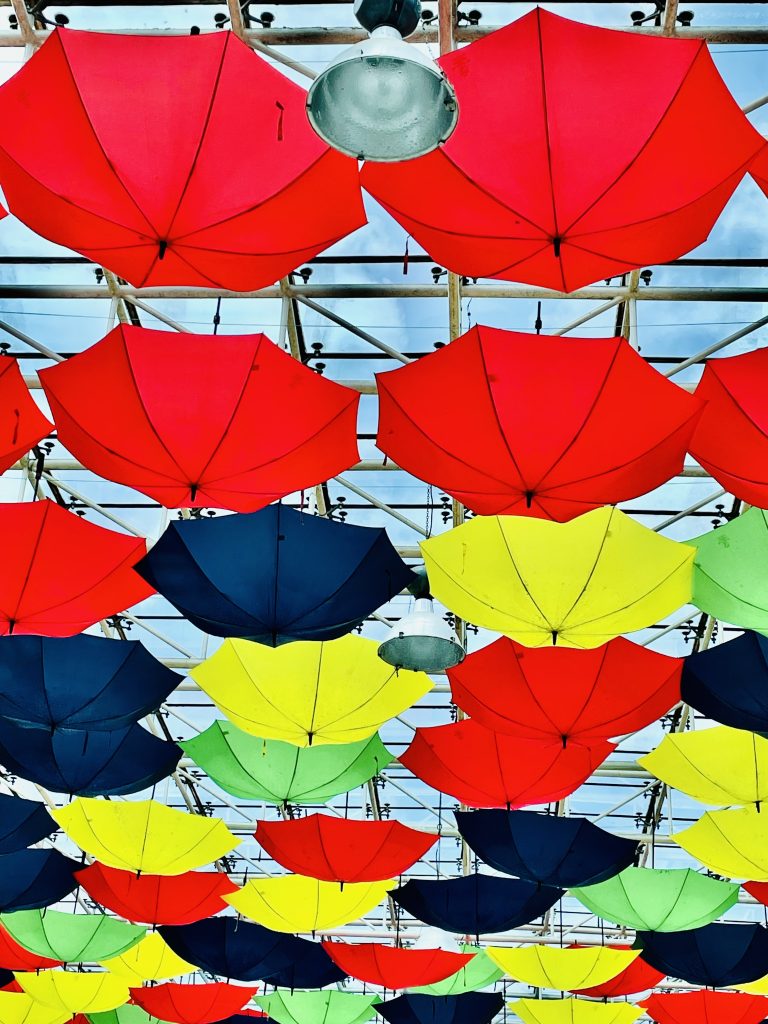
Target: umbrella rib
(496, 416)
(725, 590)
(275, 707)
(35, 551)
(593, 570)
(729, 394)
(524, 585)
(545, 113)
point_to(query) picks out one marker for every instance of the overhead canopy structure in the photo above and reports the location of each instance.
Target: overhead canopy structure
(727, 581)
(733, 843)
(192, 1004)
(22, 424)
(414, 1008)
(394, 967)
(562, 968)
(716, 956)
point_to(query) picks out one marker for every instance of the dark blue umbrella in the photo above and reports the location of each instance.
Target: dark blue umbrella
(729, 683)
(475, 904)
(716, 956)
(87, 762)
(80, 682)
(469, 1008)
(22, 823)
(231, 948)
(276, 575)
(545, 848)
(311, 967)
(32, 879)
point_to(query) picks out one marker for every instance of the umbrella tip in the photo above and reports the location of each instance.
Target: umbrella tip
(192, 487)
(556, 243)
(163, 247)
(554, 638)
(528, 499)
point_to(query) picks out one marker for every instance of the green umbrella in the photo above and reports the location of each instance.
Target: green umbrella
(659, 900)
(480, 972)
(331, 1007)
(73, 938)
(125, 1014)
(729, 578)
(257, 769)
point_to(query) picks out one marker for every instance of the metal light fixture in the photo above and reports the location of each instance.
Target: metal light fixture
(422, 641)
(383, 99)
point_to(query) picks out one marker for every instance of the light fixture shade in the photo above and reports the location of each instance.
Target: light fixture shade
(422, 641)
(382, 100)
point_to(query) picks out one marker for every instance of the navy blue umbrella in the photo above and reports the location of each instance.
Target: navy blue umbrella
(716, 956)
(276, 575)
(311, 967)
(545, 848)
(22, 823)
(469, 1008)
(87, 762)
(729, 683)
(475, 904)
(31, 879)
(80, 681)
(231, 948)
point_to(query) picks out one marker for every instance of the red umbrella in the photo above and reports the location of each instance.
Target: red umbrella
(157, 899)
(482, 768)
(550, 427)
(192, 1004)
(221, 183)
(638, 977)
(22, 424)
(14, 957)
(706, 1007)
(393, 967)
(341, 849)
(759, 169)
(61, 573)
(563, 693)
(758, 890)
(545, 178)
(185, 421)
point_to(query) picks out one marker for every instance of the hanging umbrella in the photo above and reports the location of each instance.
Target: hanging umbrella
(112, 415)
(705, 1007)
(758, 890)
(334, 1007)
(157, 899)
(733, 843)
(479, 972)
(22, 822)
(566, 694)
(276, 575)
(151, 959)
(729, 682)
(469, 1008)
(533, 188)
(309, 967)
(545, 848)
(19, 1008)
(584, 400)
(62, 574)
(393, 967)
(757, 988)
(658, 899)
(475, 904)
(144, 835)
(22, 424)
(294, 903)
(728, 580)
(716, 956)
(684, 761)
(566, 969)
(343, 849)
(87, 762)
(255, 769)
(14, 957)
(148, 211)
(576, 584)
(192, 1004)
(488, 769)
(125, 1014)
(638, 977)
(73, 992)
(80, 682)
(574, 1011)
(30, 879)
(72, 938)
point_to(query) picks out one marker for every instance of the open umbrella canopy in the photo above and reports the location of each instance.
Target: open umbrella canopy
(22, 822)
(151, 959)
(394, 967)
(482, 768)
(62, 573)
(294, 903)
(309, 967)
(306, 693)
(565, 969)
(479, 972)
(276, 575)
(728, 579)
(638, 977)
(73, 992)
(549, 849)
(87, 762)
(114, 413)
(759, 890)
(576, 584)
(729, 683)
(685, 762)
(30, 879)
(658, 899)
(125, 1014)
(157, 899)
(343, 849)
(334, 1007)
(733, 843)
(19, 1008)
(757, 988)
(564, 693)
(706, 1007)
(529, 188)
(475, 904)
(148, 212)
(256, 769)
(72, 938)
(574, 1011)
(14, 957)
(80, 682)
(144, 835)
(415, 1008)
(192, 1004)
(716, 956)
(550, 427)
(22, 424)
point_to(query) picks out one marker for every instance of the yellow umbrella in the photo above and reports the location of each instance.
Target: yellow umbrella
(567, 969)
(731, 843)
(716, 766)
(143, 835)
(337, 691)
(575, 584)
(19, 1008)
(70, 992)
(295, 903)
(151, 960)
(755, 988)
(574, 1011)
